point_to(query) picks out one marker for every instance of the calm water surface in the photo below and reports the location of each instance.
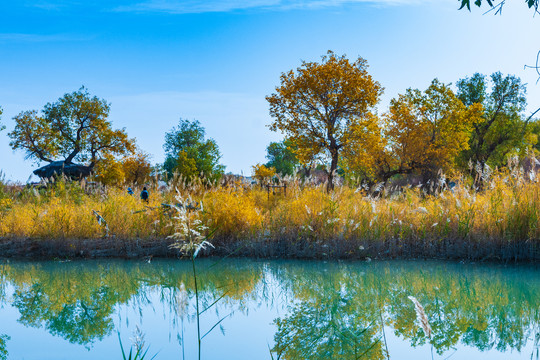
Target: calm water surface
(269, 309)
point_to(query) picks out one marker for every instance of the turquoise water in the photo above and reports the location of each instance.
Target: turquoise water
(269, 309)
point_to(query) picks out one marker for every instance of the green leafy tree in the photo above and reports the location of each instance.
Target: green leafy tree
(502, 126)
(498, 6)
(281, 157)
(188, 152)
(73, 129)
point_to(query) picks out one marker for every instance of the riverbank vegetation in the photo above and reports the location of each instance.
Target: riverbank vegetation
(500, 222)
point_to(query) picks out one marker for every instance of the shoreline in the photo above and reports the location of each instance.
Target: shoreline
(497, 251)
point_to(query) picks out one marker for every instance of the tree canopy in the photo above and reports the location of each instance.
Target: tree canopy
(137, 168)
(425, 131)
(281, 157)
(502, 126)
(322, 107)
(109, 171)
(189, 154)
(74, 128)
(132, 169)
(263, 174)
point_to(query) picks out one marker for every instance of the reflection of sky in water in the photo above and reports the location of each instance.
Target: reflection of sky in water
(245, 335)
(249, 331)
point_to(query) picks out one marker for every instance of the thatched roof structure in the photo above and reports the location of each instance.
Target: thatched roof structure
(58, 168)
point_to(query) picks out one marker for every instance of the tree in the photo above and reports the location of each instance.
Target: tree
(183, 164)
(502, 126)
(75, 128)
(263, 174)
(109, 171)
(425, 132)
(3, 349)
(131, 169)
(137, 168)
(188, 152)
(532, 4)
(281, 157)
(321, 106)
(360, 163)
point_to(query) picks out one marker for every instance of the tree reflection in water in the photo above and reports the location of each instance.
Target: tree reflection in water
(334, 310)
(3, 338)
(336, 313)
(76, 300)
(3, 347)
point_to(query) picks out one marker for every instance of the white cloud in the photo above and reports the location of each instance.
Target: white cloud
(194, 6)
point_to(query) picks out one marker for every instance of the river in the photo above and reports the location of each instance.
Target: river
(255, 309)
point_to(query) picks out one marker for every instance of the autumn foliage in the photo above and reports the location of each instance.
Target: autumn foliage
(326, 108)
(134, 169)
(74, 128)
(426, 131)
(263, 174)
(327, 113)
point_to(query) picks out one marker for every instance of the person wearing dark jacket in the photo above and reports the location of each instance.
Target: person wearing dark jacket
(145, 194)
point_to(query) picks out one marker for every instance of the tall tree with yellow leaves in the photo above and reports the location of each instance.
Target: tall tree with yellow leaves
(73, 129)
(324, 107)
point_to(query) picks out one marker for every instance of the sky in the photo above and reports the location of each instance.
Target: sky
(157, 61)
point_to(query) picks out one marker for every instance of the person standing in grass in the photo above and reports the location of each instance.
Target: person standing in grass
(130, 191)
(145, 194)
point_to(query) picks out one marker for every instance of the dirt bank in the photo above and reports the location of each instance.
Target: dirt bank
(446, 249)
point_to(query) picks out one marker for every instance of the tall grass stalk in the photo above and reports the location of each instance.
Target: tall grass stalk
(189, 239)
(139, 344)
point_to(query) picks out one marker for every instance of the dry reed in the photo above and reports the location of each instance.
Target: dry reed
(500, 222)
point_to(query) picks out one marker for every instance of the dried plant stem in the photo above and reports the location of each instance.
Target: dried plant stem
(197, 306)
(384, 335)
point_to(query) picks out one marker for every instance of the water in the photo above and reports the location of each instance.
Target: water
(269, 309)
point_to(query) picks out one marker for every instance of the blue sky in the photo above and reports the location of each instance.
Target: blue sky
(156, 61)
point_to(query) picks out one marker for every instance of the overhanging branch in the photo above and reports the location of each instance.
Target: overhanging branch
(536, 67)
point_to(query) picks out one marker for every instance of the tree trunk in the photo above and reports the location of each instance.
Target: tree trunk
(333, 168)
